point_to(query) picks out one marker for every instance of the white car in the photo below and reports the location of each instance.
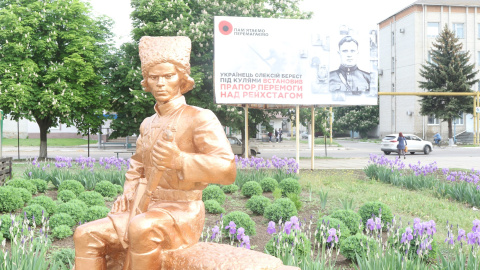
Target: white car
(414, 144)
(237, 148)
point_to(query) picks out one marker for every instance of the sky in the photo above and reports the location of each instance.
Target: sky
(328, 13)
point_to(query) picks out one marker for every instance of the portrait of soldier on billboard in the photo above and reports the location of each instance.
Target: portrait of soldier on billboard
(348, 79)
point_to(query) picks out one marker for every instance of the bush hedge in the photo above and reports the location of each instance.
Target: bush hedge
(106, 189)
(214, 192)
(242, 220)
(62, 231)
(357, 244)
(268, 184)
(96, 212)
(47, 203)
(10, 199)
(230, 188)
(23, 183)
(91, 198)
(66, 195)
(213, 207)
(281, 209)
(72, 185)
(351, 218)
(370, 209)
(290, 185)
(61, 219)
(257, 204)
(251, 188)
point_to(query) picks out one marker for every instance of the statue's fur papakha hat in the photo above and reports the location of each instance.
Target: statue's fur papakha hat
(174, 50)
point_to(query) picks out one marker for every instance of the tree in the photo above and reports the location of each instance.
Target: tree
(356, 118)
(449, 71)
(52, 54)
(195, 20)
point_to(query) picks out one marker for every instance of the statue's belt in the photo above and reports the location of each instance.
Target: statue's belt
(176, 195)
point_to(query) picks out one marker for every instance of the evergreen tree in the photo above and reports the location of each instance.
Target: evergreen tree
(449, 71)
(195, 20)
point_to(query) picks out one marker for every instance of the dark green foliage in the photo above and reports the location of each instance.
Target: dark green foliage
(47, 203)
(351, 218)
(10, 199)
(281, 244)
(61, 219)
(119, 189)
(7, 223)
(242, 220)
(357, 244)
(295, 198)
(23, 183)
(213, 207)
(96, 212)
(72, 185)
(214, 192)
(66, 195)
(449, 71)
(370, 209)
(62, 231)
(74, 208)
(25, 194)
(326, 223)
(91, 198)
(290, 185)
(64, 257)
(230, 188)
(54, 57)
(395, 241)
(35, 212)
(355, 118)
(281, 209)
(268, 184)
(106, 188)
(257, 204)
(251, 188)
(40, 184)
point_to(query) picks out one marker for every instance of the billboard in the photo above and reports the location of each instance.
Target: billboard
(286, 61)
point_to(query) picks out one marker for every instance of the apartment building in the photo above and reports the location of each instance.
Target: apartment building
(405, 40)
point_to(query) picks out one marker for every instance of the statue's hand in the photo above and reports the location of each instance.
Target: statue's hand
(122, 203)
(165, 155)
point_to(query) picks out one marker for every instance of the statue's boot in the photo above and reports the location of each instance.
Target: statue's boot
(150, 260)
(97, 263)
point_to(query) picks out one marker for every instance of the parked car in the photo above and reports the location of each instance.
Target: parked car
(304, 135)
(414, 144)
(238, 149)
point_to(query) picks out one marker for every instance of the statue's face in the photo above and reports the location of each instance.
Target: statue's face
(348, 54)
(164, 82)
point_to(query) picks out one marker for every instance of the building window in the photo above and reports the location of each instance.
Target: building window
(458, 29)
(478, 30)
(432, 120)
(433, 29)
(458, 120)
(393, 64)
(393, 38)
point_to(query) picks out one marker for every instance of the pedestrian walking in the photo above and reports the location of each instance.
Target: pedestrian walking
(402, 143)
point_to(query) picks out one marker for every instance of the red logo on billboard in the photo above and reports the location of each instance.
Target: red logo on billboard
(225, 27)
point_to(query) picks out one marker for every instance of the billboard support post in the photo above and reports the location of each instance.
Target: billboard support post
(312, 135)
(297, 134)
(247, 149)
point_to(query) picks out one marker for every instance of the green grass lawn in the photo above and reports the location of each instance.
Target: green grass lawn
(405, 204)
(321, 141)
(50, 142)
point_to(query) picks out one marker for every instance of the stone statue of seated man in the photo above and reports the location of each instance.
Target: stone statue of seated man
(180, 150)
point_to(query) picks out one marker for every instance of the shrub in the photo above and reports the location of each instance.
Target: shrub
(61, 219)
(47, 203)
(96, 212)
(257, 204)
(357, 244)
(40, 184)
(106, 188)
(395, 241)
(230, 188)
(295, 198)
(64, 258)
(72, 185)
(25, 195)
(62, 231)
(212, 206)
(277, 194)
(10, 199)
(91, 198)
(251, 188)
(351, 218)
(75, 209)
(23, 183)
(34, 212)
(283, 243)
(290, 185)
(6, 221)
(214, 192)
(268, 184)
(281, 209)
(369, 209)
(242, 220)
(326, 223)
(288, 178)
(119, 189)
(66, 195)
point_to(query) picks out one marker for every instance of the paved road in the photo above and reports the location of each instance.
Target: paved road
(351, 155)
